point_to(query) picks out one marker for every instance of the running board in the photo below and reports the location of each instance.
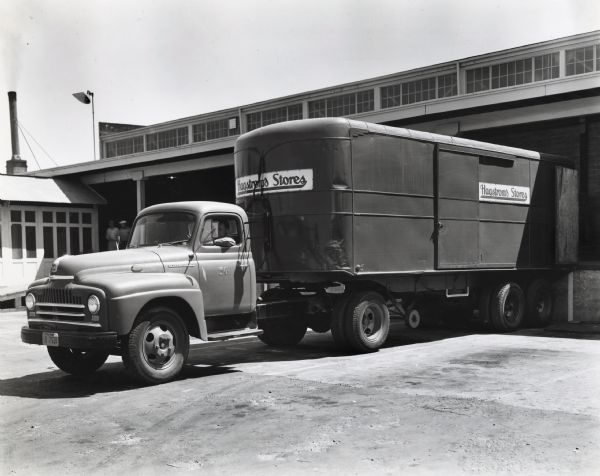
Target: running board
(233, 334)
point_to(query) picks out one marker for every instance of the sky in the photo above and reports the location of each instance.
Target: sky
(151, 61)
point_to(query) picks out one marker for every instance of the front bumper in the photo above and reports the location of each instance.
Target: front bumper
(76, 340)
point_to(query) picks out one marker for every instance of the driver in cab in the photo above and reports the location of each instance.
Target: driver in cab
(220, 234)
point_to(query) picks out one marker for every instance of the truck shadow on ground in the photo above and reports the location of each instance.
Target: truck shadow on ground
(111, 377)
(220, 358)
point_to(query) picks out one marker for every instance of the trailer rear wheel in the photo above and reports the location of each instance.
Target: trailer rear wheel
(507, 307)
(367, 321)
(539, 302)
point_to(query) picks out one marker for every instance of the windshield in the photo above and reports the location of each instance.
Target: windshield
(163, 228)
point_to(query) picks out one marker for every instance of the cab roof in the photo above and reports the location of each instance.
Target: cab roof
(199, 207)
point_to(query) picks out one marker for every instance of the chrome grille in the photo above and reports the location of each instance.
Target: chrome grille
(59, 296)
(59, 304)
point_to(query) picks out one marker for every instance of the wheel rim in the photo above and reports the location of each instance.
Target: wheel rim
(371, 321)
(159, 345)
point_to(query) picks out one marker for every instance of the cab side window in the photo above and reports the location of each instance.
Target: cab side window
(220, 226)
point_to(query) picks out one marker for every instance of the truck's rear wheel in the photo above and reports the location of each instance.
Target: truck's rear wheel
(507, 307)
(285, 332)
(367, 321)
(282, 332)
(539, 302)
(76, 361)
(157, 346)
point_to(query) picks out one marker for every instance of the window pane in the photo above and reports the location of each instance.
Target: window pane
(47, 217)
(390, 96)
(317, 108)
(61, 240)
(86, 218)
(365, 101)
(61, 217)
(30, 244)
(219, 226)
(48, 242)
(15, 215)
(74, 236)
(73, 217)
(87, 240)
(30, 216)
(16, 237)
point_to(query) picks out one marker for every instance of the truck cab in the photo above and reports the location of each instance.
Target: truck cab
(187, 270)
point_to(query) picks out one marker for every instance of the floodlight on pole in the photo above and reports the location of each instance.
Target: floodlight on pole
(87, 98)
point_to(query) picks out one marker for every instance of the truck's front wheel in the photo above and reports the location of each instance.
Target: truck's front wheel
(77, 362)
(157, 346)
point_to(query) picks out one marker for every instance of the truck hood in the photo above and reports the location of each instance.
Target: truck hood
(148, 260)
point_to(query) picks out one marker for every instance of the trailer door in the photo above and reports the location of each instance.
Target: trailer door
(457, 210)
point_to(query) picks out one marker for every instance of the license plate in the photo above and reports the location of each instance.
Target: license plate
(50, 338)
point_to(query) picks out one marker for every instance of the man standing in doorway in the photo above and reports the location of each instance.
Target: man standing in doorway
(112, 236)
(124, 232)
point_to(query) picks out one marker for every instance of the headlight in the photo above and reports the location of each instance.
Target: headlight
(93, 304)
(30, 301)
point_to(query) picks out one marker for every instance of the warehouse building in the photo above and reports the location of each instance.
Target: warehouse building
(544, 96)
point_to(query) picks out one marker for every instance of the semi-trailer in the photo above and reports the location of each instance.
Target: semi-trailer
(343, 222)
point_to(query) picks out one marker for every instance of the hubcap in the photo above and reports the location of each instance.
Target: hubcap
(414, 319)
(159, 345)
(371, 320)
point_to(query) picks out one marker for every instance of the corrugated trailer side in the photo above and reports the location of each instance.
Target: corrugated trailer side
(402, 220)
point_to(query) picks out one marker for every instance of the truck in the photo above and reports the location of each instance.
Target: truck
(338, 225)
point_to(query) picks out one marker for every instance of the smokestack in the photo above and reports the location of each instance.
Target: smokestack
(15, 165)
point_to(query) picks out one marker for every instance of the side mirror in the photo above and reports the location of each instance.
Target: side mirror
(225, 242)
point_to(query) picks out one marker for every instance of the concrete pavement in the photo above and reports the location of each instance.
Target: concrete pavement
(452, 401)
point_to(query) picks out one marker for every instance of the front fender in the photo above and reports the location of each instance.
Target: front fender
(128, 293)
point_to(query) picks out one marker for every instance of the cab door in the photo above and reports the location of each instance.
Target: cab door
(225, 274)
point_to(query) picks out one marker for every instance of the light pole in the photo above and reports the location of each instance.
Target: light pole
(87, 98)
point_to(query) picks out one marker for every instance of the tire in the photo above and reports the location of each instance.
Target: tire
(76, 361)
(484, 305)
(413, 320)
(157, 346)
(367, 321)
(282, 332)
(507, 307)
(539, 302)
(320, 323)
(338, 331)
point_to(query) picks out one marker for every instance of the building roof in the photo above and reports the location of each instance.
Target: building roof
(19, 188)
